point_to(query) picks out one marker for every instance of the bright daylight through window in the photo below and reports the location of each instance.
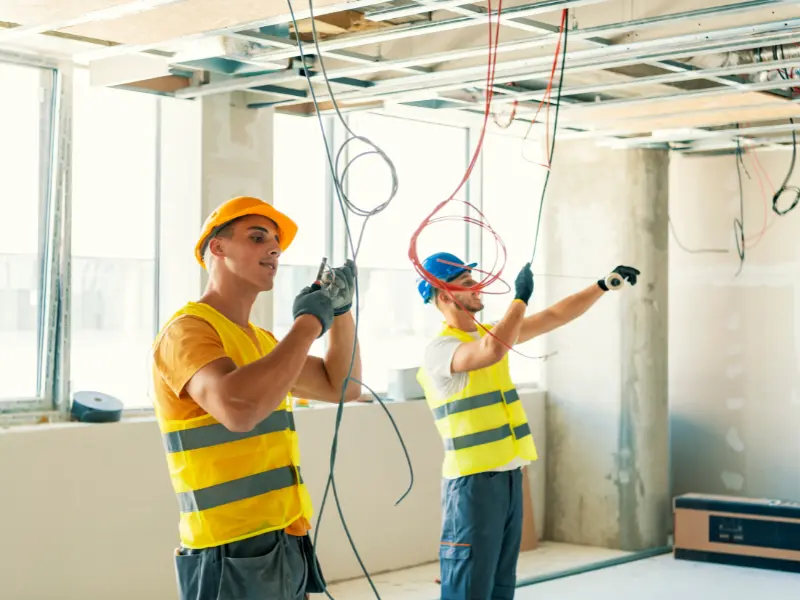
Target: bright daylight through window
(512, 177)
(24, 200)
(114, 208)
(299, 190)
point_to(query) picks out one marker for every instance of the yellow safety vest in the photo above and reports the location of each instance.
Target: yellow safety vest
(483, 426)
(232, 486)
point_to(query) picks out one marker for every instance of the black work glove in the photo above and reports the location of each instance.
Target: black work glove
(617, 277)
(313, 300)
(341, 286)
(524, 284)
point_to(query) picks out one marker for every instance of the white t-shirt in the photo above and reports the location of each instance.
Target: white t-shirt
(437, 362)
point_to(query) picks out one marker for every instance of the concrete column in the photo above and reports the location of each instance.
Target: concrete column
(236, 161)
(607, 424)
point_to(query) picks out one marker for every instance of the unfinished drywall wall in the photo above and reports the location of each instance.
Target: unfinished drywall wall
(734, 340)
(607, 421)
(91, 506)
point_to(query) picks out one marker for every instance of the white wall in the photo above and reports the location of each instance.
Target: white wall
(734, 355)
(87, 511)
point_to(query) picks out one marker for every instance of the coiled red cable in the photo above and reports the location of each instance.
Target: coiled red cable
(496, 271)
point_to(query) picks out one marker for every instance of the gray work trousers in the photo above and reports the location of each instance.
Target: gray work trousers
(274, 566)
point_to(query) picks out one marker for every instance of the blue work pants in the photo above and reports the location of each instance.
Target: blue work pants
(481, 535)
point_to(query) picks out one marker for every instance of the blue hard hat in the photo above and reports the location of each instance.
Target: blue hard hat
(437, 265)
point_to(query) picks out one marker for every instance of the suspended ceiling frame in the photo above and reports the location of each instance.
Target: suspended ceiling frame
(437, 80)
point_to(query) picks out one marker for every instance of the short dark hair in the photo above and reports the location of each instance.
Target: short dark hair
(225, 231)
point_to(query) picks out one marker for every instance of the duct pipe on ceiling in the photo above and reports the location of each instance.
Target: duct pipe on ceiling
(747, 57)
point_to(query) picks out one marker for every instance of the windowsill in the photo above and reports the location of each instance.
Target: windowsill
(18, 422)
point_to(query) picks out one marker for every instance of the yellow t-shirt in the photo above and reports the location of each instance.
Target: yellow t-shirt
(188, 345)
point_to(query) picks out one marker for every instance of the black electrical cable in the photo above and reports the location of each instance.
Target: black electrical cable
(692, 250)
(553, 142)
(784, 186)
(738, 224)
(345, 204)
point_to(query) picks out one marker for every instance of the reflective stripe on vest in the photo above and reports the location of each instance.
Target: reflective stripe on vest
(486, 437)
(239, 489)
(216, 433)
(464, 404)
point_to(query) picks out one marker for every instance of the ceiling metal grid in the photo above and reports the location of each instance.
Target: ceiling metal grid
(634, 68)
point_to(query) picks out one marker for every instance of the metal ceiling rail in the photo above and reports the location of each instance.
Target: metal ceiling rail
(107, 52)
(422, 6)
(438, 57)
(595, 58)
(343, 55)
(511, 20)
(773, 143)
(526, 74)
(730, 133)
(350, 40)
(585, 135)
(509, 95)
(358, 39)
(682, 95)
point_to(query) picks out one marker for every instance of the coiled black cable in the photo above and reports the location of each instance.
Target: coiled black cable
(785, 187)
(346, 204)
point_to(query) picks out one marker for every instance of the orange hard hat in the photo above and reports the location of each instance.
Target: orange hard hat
(242, 207)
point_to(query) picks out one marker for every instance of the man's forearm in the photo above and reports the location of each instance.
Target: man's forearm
(259, 387)
(340, 353)
(574, 306)
(507, 329)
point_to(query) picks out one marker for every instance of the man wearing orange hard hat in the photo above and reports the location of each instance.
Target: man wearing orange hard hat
(223, 401)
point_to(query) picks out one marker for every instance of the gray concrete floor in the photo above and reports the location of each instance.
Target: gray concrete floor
(664, 578)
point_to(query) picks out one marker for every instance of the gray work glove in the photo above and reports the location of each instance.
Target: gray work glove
(313, 300)
(341, 286)
(524, 284)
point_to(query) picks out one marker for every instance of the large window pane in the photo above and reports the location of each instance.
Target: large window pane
(113, 241)
(24, 122)
(299, 189)
(511, 191)
(430, 160)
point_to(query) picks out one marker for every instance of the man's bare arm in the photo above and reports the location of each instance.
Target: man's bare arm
(561, 313)
(322, 379)
(242, 397)
(490, 349)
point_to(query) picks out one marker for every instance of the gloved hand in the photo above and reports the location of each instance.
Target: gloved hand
(524, 284)
(313, 300)
(624, 273)
(341, 286)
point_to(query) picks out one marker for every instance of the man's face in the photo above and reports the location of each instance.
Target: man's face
(252, 251)
(469, 300)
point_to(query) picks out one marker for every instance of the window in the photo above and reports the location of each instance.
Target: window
(300, 188)
(430, 159)
(25, 149)
(510, 180)
(395, 326)
(114, 227)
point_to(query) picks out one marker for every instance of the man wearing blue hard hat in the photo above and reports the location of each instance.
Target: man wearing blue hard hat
(487, 440)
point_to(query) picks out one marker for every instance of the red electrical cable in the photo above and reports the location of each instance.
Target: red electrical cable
(546, 98)
(493, 275)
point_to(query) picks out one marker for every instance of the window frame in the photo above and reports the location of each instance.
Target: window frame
(50, 208)
(53, 399)
(63, 396)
